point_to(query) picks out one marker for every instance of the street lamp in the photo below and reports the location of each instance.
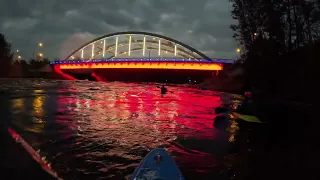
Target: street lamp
(17, 50)
(34, 50)
(238, 53)
(19, 57)
(39, 57)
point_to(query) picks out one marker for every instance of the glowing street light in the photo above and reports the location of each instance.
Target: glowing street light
(19, 57)
(40, 54)
(40, 44)
(17, 50)
(255, 34)
(238, 50)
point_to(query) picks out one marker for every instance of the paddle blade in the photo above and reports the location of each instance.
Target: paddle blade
(247, 118)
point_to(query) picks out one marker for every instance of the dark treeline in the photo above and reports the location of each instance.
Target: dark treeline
(280, 42)
(6, 57)
(10, 67)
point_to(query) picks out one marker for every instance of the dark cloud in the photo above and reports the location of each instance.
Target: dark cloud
(64, 25)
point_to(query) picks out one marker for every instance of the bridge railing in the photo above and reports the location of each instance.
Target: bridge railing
(156, 59)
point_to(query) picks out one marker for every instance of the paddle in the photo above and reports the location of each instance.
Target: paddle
(247, 118)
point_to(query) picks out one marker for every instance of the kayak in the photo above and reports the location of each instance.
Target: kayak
(157, 165)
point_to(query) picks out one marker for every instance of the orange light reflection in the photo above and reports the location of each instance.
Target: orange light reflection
(18, 105)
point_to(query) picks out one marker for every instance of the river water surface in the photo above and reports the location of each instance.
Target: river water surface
(94, 130)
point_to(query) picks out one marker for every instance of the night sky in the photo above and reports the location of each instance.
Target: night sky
(64, 25)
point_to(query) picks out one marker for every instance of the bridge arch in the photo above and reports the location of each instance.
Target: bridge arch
(193, 52)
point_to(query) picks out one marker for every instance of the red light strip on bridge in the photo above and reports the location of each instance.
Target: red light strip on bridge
(144, 65)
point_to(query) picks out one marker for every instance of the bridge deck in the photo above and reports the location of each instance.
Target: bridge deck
(143, 65)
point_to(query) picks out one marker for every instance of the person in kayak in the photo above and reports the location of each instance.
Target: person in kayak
(246, 106)
(164, 90)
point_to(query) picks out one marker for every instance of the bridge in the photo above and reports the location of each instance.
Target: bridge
(137, 55)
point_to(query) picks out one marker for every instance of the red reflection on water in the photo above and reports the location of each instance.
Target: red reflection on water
(129, 115)
(66, 76)
(179, 111)
(98, 78)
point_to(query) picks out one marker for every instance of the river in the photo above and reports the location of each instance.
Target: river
(94, 130)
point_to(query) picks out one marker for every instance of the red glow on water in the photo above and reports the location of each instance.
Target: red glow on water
(98, 78)
(66, 76)
(176, 113)
(127, 117)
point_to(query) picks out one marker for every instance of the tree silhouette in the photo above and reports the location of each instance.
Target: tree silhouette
(285, 25)
(6, 56)
(315, 17)
(280, 42)
(34, 64)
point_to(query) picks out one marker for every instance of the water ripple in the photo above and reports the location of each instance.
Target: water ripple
(92, 130)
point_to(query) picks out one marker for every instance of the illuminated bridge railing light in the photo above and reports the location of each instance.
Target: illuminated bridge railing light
(145, 60)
